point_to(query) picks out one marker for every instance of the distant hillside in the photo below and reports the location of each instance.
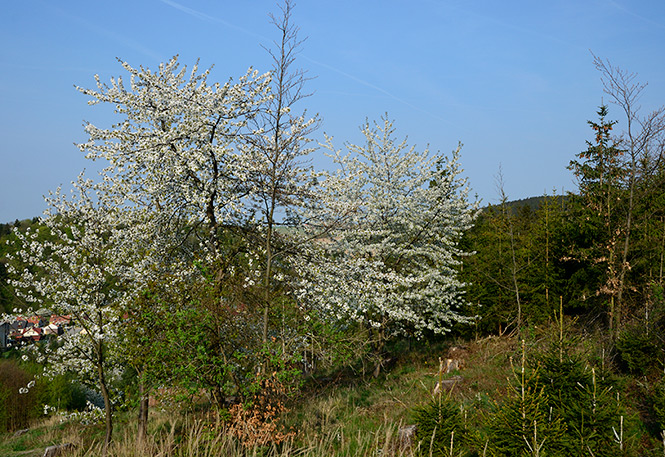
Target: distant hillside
(9, 226)
(531, 202)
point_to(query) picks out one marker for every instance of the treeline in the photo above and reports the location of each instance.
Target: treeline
(598, 253)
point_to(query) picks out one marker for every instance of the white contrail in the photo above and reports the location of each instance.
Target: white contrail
(95, 28)
(206, 17)
(642, 18)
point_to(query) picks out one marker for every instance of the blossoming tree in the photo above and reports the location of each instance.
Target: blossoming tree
(212, 164)
(392, 263)
(174, 177)
(81, 267)
(175, 149)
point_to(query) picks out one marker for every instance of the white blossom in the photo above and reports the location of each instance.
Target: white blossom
(397, 216)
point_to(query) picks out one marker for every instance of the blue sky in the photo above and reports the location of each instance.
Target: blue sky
(512, 80)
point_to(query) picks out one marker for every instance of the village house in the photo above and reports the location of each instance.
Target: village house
(4, 333)
(25, 330)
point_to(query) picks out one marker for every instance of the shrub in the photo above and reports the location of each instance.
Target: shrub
(440, 426)
(64, 393)
(638, 352)
(256, 422)
(524, 425)
(658, 403)
(582, 399)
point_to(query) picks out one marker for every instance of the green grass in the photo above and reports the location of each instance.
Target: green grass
(345, 414)
(348, 416)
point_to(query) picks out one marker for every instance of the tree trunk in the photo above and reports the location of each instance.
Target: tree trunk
(379, 348)
(514, 275)
(267, 276)
(143, 412)
(662, 255)
(626, 244)
(108, 407)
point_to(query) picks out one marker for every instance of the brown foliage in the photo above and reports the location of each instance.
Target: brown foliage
(16, 409)
(257, 422)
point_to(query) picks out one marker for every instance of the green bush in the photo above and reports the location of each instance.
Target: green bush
(582, 399)
(638, 352)
(440, 425)
(64, 393)
(658, 404)
(524, 425)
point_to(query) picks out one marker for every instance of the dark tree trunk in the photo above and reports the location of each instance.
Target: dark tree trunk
(143, 412)
(108, 407)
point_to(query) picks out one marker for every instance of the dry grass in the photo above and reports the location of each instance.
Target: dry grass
(351, 417)
(198, 441)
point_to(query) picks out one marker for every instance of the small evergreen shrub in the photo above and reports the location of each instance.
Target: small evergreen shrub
(658, 404)
(440, 427)
(638, 352)
(525, 425)
(582, 399)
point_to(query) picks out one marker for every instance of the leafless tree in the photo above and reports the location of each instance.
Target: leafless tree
(281, 173)
(642, 140)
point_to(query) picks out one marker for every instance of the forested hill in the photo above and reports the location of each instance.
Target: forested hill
(7, 299)
(533, 203)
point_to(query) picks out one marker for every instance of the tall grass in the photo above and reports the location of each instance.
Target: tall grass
(356, 416)
(198, 440)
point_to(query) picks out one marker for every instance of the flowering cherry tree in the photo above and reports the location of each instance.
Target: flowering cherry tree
(212, 165)
(216, 157)
(175, 149)
(81, 267)
(392, 262)
(176, 179)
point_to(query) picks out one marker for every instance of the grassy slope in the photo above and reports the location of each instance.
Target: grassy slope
(349, 415)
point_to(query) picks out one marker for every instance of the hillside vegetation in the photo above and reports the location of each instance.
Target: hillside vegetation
(582, 403)
(211, 293)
